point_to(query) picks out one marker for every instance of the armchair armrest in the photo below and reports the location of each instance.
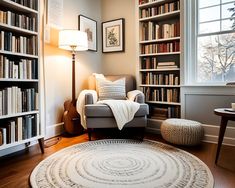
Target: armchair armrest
(89, 98)
(136, 96)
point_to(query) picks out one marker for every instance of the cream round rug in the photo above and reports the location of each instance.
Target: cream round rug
(121, 163)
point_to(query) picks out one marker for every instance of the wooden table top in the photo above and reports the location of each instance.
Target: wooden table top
(223, 112)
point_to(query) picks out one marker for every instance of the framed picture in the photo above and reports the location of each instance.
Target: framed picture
(89, 26)
(113, 33)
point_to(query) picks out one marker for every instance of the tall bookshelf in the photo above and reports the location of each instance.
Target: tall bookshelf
(159, 57)
(19, 74)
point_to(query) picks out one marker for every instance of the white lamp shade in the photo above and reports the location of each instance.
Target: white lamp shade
(73, 40)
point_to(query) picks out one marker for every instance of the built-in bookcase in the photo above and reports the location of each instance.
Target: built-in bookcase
(19, 73)
(159, 56)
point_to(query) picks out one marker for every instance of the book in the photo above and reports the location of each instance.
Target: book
(4, 135)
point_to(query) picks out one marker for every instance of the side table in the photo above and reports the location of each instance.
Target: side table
(225, 116)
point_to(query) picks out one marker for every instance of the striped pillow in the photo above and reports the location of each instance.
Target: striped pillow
(111, 90)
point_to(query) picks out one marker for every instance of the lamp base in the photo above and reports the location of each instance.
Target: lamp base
(71, 119)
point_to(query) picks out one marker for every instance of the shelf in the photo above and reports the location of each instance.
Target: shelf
(17, 29)
(161, 102)
(156, 120)
(17, 7)
(159, 40)
(146, 85)
(18, 54)
(154, 3)
(161, 16)
(158, 70)
(18, 80)
(155, 54)
(5, 146)
(19, 114)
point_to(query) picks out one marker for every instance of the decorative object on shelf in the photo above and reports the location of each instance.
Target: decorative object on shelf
(182, 131)
(122, 163)
(89, 26)
(113, 36)
(72, 40)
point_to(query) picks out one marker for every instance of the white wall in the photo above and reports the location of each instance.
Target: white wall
(58, 69)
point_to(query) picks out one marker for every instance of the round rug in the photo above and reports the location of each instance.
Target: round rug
(121, 163)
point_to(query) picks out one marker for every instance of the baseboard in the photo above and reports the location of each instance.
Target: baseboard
(210, 136)
(54, 130)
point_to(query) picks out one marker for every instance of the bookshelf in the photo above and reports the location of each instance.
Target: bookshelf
(19, 74)
(159, 57)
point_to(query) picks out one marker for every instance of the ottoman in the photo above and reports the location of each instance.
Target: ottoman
(182, 131)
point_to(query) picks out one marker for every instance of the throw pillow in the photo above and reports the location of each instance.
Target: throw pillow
(111, 90)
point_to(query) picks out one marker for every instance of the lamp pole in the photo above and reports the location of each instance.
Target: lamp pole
(73, 75)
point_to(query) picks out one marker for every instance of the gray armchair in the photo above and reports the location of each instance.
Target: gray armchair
(101, 116)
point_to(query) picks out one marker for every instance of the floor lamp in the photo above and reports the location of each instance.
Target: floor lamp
(72, 40)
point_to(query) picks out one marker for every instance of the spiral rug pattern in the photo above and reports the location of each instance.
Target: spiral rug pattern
(121, 163)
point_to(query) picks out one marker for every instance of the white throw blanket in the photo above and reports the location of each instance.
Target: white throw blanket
(80, 106)
(123, 110)
(131, 95)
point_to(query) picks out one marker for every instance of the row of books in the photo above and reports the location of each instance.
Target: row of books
(161, 9)
(161, 47)
(152, 31)
(19, 44)
(151, 78)
(164, 113)
(152, 63)
(33, 4)
(18, 69)
(18, 20)
(16, 100)
(162, 94)
(18, 129)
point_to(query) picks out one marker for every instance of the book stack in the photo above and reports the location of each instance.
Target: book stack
(18, 129)
(151, 78)
(28, 3)
(18, 20)
(166, 47)
(161, 9)
(21, 69)
(167, 65)
(164, 113)
(19, 44)
(16, 100)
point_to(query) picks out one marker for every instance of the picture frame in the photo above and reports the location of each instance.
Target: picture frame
(89, 26)
(113, 35)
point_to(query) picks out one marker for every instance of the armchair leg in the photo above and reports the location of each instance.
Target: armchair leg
(142, 133)
(89, 133)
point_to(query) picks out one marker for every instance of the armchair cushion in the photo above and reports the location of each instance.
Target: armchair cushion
(101, 110)
(111, 89)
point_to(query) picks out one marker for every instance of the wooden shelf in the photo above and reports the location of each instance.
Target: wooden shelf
(17, 7)
(147, 85)
(19, 114)
(18, 80)
(5, 146)
(161, 102)
(17, 29)
(18, 54)
(157, 54)
(154, 3)
(159, 70)
(161, 17)
(159, 40)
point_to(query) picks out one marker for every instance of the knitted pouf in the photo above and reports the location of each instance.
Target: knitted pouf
(182, 131)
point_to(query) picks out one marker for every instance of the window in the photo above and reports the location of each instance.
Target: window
(214, 41)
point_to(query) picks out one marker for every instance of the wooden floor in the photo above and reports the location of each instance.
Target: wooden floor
(15, 169)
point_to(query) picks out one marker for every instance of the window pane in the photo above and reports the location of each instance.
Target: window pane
(209, 14)
(226, 1)
(209, 27)
(206, 3)
(216, 58)
(226, 13)
(228, 25)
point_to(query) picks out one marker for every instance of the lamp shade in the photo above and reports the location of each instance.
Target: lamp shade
(73, 40)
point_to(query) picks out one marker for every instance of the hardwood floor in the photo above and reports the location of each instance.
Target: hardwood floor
(16, 168)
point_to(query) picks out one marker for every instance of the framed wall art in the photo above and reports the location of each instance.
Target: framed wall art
(113, 36)
(89, 26)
